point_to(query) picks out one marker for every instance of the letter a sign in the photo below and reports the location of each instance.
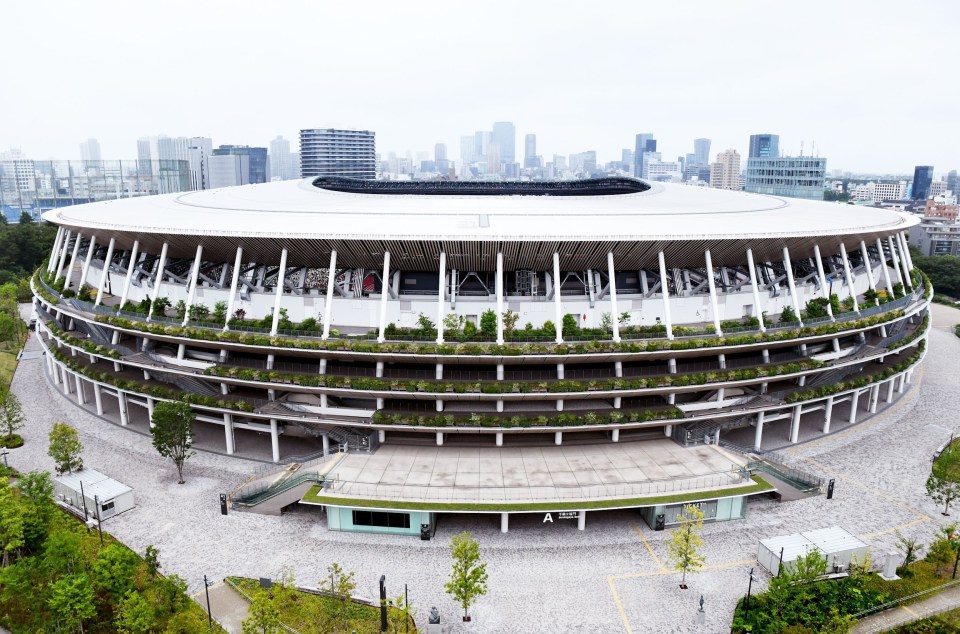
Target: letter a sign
(548, 518)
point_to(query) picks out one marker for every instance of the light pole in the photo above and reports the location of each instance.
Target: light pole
(746, 602)
(96, 503)
(5, 453)
(206, 588)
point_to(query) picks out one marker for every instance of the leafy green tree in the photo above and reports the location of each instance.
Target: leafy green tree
(11, 521)
(488, 323)
(425, 326)
(787, 315)
(340, 583)
(571, 325)
(510, 319)
(685, 543)
(151, 557)
(169, 593)
(941, 554)
(72, 601)
(453, 323)
(606, 322)
(910, 547)
(264, 615)
(172, 433)
(11, 413)
(62, 553)
(114, 569)
(36, 494)
(942, 490)
(468, 577)
(187, 622)
(134, 615)
(469, 330)
(219, 312)
(65, 448)
(624, 319)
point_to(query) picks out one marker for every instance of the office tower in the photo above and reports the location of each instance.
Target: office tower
(493, 158)
(172, 149)
(468, 149)
(922, 177)
(764, 146)
(145, 154)
(645, 145)
(505, 136)
(258, 165)
(90, 153)
(626, 156)
(530, 160)
(664, 170)
(559, 163)
(440, 152)
(725, 171)
(481, 141)
(701, 151)
(199, 151)
(282, 165)
(332, 152)
(229, 170)
(791, 176)
(953, 182)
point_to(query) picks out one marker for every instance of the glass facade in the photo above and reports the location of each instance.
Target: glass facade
(36, 186)
(922, 177)
(789, 176)
(764, 146)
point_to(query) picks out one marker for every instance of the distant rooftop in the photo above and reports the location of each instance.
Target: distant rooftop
(586, 187)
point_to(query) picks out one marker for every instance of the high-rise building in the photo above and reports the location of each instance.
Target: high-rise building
(481, 143)
(90, 153)
(172, 149)
(530, 160)
(505, 136)
(468, 149)
(258, 165)
(199, 151)
(229, 170)
(332, 152)
(439, 152)
(725, 171)
(145, 155)
(953, 182)
(701, 151)
(764, 146)
(922, 177)
(493, 158)
(645, 146)
(282, 165)
(791, 176)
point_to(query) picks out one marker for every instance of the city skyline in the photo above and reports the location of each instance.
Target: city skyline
(568, 109)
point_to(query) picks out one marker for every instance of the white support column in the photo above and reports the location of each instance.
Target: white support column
(63, 255)
(824, 289)
(85, 269)
(105, 272)
(884, 268)
(558, 307)
(98, 398)
(122, 406)
(278, 297)
(325, 439)
(758, 432)
(194, 275)
(130, 268)
(906, 250)
(499, 290)
(713, 292)
(275, 440)
(150, 412)
(328, 306)
(903, 381)
(665, 293)
(234, 281)
(159, 279)
(581, 520)
(904, 263)
(55, 252)
(441, 296)
(614, 435)
(795, 424)
(614, 315)
(849, 277)
(499, 439)
(869, 268)
(504, 522)
(384, 293)
(558, 437)
(827, 415)
(788, 265)
(874, 398)
(81, 397)
(854, 402)
(228, 433)
(668, 430)
(896, 264)
(889, 398)
(756, 290)
(73, 261)
(439, 439)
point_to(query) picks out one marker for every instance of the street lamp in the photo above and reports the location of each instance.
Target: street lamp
(746, 602)
(206, 588)
(5, 453)
(96, 503)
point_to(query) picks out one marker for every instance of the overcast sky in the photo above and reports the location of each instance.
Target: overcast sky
(873, 84)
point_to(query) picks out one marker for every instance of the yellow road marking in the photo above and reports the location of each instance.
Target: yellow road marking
(895, 528)
(664, 571)
(649, 548)
(910, 612)
(616, 599)
(196, 595)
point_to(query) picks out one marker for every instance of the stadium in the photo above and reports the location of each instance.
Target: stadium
(309, 316)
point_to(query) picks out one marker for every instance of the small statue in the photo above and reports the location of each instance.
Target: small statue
(701, 603)
(434, 618)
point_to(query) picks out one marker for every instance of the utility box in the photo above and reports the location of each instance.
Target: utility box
(835, 544)
(91, 486)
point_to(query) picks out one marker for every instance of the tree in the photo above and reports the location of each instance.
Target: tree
(942, 490)
(570, 324)
(264, 615)
(910, 547)
(787, 315)
(151, 557)
(72, 601)
(62, 554)
(11, 521)
(452, 323)
(113, 570)
(488, 323)
(172, 433)
(510, 319)
(65, 448)
(685, 542)
(606, 322)
(36, 494)
(134, 615)
(941, 554)
(11, 413)
(624, 319)
(340, 583)
(468, 578)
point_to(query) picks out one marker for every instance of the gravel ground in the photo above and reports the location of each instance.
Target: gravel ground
(543, 577)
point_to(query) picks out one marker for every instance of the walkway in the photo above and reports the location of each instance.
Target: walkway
(228, 608)
(889, 619)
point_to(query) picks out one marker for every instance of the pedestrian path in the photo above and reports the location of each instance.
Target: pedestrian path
(228, 608)
(889, 619)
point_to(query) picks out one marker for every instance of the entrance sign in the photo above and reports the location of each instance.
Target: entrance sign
(548, 518)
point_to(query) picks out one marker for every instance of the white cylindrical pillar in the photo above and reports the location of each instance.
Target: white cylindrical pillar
(558, 437)
(234, 281)
(868, 266)
(614, 315)
(81, 397)
(228, 433)
(441, 296)
(325, 439)
(192, 291)
(86, 263)
(824, 289)
(131, 267)
(275, 440)
(795, 424)
(63, 255)
(278, 296)
(896, 264)
(758, 432)
(98, 398)
(328, 306)
(827, 415)
(384, 293)
(581, 520)
(499, 439)
(105, 272)
(615, 435)
(498, 287)
(854, 402)
(55, 252)
(755, 285)
(504, 522)
(849, 277)
(712, 285)
(665, 294)
(904, 262)
(439, 438)
(73, 261)
(558, 306)
(788, 265)
(122, 406)
(158, 280)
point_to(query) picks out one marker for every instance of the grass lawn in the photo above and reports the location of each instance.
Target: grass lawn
(314, 495)
(312, 613)
(8, 363)
(949, 462)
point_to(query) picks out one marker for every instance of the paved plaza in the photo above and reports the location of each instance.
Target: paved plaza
(535, 473)
(613, 577)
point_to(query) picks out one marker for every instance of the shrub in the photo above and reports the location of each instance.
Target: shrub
(488, 323)
(571, 325)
